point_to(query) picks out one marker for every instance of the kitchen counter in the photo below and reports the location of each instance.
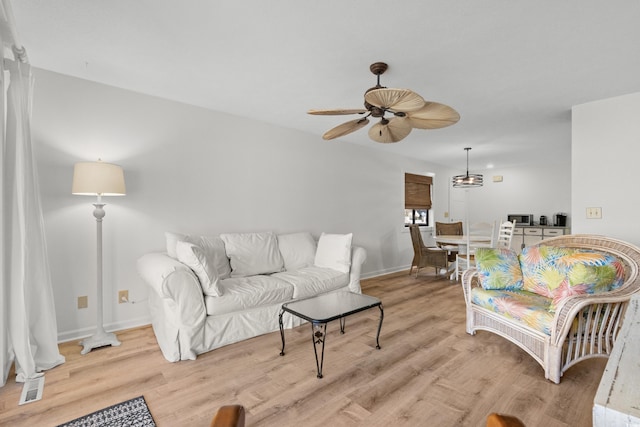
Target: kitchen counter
(527, 235)
(542, 226)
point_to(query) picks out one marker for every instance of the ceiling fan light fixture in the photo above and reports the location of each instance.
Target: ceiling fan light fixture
(467, 180)
(409, 109)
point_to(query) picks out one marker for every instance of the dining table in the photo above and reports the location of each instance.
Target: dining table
(461, 242)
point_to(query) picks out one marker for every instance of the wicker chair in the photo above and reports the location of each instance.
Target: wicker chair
(424, 256)
(584, 326)
(449, 229)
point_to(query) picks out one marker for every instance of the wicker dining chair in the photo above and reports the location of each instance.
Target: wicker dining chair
(425, 256)
(449, 229)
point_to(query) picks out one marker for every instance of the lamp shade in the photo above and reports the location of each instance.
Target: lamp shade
(98, 178)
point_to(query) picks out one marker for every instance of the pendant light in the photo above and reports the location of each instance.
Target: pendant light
(468, 180)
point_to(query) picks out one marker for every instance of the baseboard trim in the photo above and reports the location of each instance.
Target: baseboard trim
(78, 334)
(384, 272)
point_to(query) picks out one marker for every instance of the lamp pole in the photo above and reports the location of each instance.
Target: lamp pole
(101, 338)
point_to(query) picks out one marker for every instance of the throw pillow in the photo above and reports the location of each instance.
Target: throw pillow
(194, 257)
(172, 239)
(298, 250)
(334, 251)
(213, 248)
(252, 253)
(498, 269)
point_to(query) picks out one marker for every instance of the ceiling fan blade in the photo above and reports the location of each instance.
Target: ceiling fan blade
(345, 128)
(396, 130)
(433, 116)
(337, 112)
(395, 99)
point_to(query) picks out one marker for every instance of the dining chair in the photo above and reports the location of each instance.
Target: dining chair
(505, 234)
(466, 260)
(425, 256)
(449, 229)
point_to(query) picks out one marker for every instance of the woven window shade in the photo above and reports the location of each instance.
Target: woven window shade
(417, 191)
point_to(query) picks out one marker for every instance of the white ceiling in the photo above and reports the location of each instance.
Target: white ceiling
(512, 69)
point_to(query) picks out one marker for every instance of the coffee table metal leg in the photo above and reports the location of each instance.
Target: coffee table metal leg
(379, 328)
(318, 331)
(281, 331)
(342, 322)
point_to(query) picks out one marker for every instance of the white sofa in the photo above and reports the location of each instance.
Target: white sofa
(207, 292)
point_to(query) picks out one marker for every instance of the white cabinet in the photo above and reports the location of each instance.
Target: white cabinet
(554, 232)
(532, 236)
(516, 239)
(527, 236)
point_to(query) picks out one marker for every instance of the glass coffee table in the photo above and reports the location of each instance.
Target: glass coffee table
(322, 309)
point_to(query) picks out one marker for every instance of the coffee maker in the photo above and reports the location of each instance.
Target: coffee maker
(560, 219)
(543, 220)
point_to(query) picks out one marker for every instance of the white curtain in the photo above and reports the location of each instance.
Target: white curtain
(28, 329)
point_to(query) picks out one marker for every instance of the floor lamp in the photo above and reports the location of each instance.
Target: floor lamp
(98, 179)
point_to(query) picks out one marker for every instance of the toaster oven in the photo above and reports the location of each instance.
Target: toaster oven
(522, 219)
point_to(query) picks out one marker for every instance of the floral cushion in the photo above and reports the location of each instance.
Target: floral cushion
(525, 307)
(498, 268)
(557, 273)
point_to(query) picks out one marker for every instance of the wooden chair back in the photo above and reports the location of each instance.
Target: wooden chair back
(229, 416)
(449, 228)
(505, 234)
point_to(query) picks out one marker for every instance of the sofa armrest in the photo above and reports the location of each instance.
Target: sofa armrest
(178, 310)
(601, 313)
(358, 256)
(155, 268)
(469, 281)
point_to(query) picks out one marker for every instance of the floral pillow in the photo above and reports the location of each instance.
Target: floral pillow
(498, 268)
(558, 273)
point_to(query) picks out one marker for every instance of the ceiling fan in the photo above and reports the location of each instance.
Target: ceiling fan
(409, 110)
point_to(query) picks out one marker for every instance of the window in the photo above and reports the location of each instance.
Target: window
(417, 199)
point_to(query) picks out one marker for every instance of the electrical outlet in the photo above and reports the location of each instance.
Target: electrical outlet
(123, 297)
(83, 302)
(594, 213)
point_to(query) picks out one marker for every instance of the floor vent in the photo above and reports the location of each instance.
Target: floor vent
(32, 390)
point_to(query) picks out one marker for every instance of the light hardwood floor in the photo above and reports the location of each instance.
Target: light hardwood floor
(429, 372)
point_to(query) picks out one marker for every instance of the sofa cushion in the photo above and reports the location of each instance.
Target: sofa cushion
(525, 307)
(313, 280)
(252, 253)
(241, 293)
(213, 248)
(334, 251)
(498, 268)
(557, 272)
(194, 257)
(298, 250)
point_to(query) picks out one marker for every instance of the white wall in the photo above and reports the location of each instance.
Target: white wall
(530, 189)
(605, 148)
(192, 170)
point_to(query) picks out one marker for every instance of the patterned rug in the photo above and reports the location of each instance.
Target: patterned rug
(132, 413)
